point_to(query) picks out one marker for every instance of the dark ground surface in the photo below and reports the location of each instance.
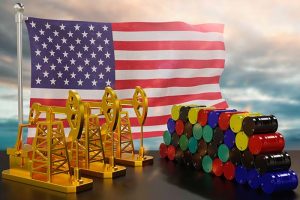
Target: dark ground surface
(163, 180)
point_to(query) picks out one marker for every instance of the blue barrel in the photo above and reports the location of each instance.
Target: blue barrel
(279, 181)
(229, 138)
(171, 125)
(213, 117)
(254, 179)
(241, 174)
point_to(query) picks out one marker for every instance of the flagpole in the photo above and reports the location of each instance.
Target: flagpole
(19, 9)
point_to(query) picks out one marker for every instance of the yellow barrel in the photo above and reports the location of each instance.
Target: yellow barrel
(241, 141)
(236, 121)
(175, 112)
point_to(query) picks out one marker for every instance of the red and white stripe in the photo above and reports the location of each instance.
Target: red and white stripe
(174, 62)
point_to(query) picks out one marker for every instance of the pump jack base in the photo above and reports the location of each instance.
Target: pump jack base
(134, 161)
(102, 170)
(60, 182)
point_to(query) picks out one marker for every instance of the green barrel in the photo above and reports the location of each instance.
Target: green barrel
(207, 164)
(167, 138)
(183, 142)
(207, 133)
(223, 153)
(197, 131)
(193, 145)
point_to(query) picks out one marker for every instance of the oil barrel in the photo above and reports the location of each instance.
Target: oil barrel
(217, 167)
(202, 147)
(254, 179)
(175, 140)
(207, 164)
(212, 150)
(241, 174)
(229, 138)
(179, 127)
(188, 129)
(171, 125)
(197, 161)
(175, 111)
(193, 114)
(273, 162)
(241, 141)
(247, 159)
(218, 135)
(207, 133)
(260, 124)
(193, 145)
(183, 142)
(224, 119)
(223, 153)
(236, 121)
(197, 131)
(229, 171)
(235, 156)
(213, 117)
(167, 137)
(163, 150)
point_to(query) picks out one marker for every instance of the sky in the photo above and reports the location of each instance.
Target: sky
(262, 40)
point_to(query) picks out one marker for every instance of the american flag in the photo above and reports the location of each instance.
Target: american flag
(174, 62)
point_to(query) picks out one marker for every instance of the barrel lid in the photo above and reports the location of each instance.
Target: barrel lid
(241, 174)
(236, 121)
(175, 111)
(197, 131)
(241, 141)
(167, 137)
(175, 140)
(218, 135)
(254, 179)
(193, 115)
(203, 116)
(212, 149)
(224, 120)
(207, 164)
(255, 144)
(183, 113)
(183, 142)
(171, 152)
(217, 167)
(193, 145)
(179, 127)
(202, 147)
(235, 156)
(229, 138)
(163, 150)
(229, 170)
(223, 152)
(188, 129)
(207, 133)
(171, 125)
(247, 159)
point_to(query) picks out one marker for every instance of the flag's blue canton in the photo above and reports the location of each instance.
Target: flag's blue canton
(70, 54)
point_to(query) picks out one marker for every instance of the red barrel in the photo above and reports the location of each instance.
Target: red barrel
(203, 116)
(224, 119)
(217, 167)
(229, 171)
(179, 127)
(171, 152)
(163, 150)
(266, 143)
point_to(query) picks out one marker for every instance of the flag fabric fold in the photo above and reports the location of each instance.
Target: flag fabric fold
(174, 62)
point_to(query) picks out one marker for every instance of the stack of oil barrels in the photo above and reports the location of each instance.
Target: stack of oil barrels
(239, 145)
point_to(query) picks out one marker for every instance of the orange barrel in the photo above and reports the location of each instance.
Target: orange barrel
(163, 150)
(260, 124)
(229, 171)
(197, 161)
(179, 127)
(218, 136)
(212, 150)
(224, 119)
(202, 147)
(171, 152)
(236, 121)
(203, 115)
(188, 129)
(247, 159)
(241, 141)
(266, 143)
(235, 156)
(217, 167)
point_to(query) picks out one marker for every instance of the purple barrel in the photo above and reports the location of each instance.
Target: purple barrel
(171, 125)
(229, 138)
(213, 117)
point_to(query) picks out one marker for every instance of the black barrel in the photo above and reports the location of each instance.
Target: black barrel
(247, 159)
(202, 147)
(179, 156)
(218, 136)
(188, 129)
(197, 161)
(212, 150)
(187, 159)
(175, 140)
(184, 111)
(235, 156)
(260, 124)
(273, 162)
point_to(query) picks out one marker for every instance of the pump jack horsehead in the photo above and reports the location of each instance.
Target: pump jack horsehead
(46, 164)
